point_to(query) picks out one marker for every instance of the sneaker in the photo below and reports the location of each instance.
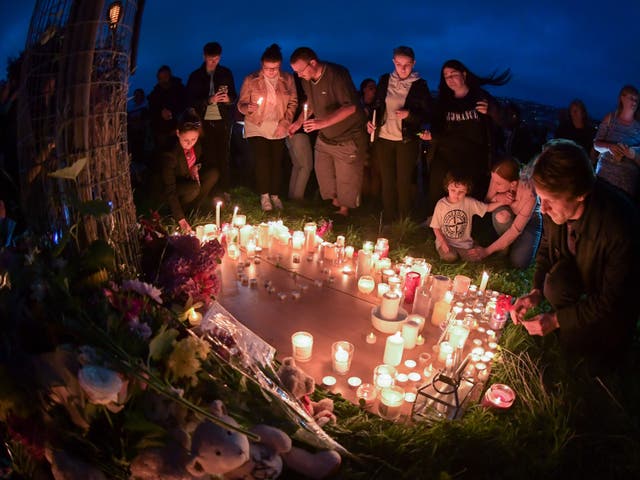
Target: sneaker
(276, 202)
(265, 203)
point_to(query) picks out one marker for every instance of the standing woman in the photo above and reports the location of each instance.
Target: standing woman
(618, 142)
(463, 132)
(578, 126)
(403, 105)
(268, 99)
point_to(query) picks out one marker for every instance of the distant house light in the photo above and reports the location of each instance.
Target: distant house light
(114, 14)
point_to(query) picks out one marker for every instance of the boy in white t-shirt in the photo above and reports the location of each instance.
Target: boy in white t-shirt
(452, 217)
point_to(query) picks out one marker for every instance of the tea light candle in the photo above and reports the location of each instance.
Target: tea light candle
(302, 343)
(194, 317)
(354, 382)
(371, 338)
(384, 376)
(390, 306)
(391, 400)
(393, 349)
(347, 270)
(446, 349)
(414, 377)
(499, 396)
(341, 355)
(481, 371)
(329, 381)
(402, 379)
(366, 394)
(410, 363)
(240, 221)
(484, 281)
(410, 333)
(297, 240)
(410, 397)
(382, 289)
(441, 309)
(419, 340)
(492, 345)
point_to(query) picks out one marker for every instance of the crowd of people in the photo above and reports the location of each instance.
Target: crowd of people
(573, 211)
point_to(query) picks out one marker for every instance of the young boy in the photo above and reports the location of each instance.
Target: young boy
(452, 216)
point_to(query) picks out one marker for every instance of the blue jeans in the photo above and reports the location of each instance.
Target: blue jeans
(523, 249)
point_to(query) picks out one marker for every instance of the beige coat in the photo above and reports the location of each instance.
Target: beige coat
(254, 87)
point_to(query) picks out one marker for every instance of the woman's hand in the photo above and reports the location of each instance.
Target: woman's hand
(370, 127)
(425, 135)
(504, 198)
(482, 107)
(402, 114)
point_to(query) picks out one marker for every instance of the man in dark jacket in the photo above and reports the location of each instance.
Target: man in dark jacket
(587, 264)
(166, 102)
(212, 92)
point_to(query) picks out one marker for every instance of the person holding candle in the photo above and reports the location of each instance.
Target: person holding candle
(451, 221)
(299, 144)
(187, 174)
(587, 263)
(334, 111)
(518, 221)
(403, 105)
(268, 99)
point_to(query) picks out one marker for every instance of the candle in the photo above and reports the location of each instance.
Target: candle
(458, 335)
(297, 240)
(366, 284)
(371, 338)
(410, 363)
(395, 283)
(302, 343)
(363, 267)
(386, 273)
(348, 252)
(354, 382)
(390, 306)
(383, 264)
(200, 233)
(218, 205)
(441, 310)
(260, 100)
(310, 236)
(366, 394)
(367, 246)
(305, 112)
(410, 397)
(382, 247)
(382, 289)
(414, 377)
(194, 317)
(251, 247)
(235, 212)
(391, 400)
(384, 376)
(411, 282)
(419, 319)
(482, 372)
(329, 381)
(246, 232)
(446, 349)
(499, 396)
(401, 379)
(461, 285)
(410, 333)
(484, 281)
(373, 122)
(208, 232)
(341, 355)
(233, 251)
(420, 340)
(393, 349)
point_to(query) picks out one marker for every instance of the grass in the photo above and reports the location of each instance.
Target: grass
(565, 423)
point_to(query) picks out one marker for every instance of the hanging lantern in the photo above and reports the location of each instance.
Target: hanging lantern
(114, 15)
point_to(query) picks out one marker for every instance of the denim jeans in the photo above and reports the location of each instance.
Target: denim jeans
(523, 249)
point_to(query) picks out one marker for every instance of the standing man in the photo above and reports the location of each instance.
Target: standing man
(587, 264)
(167, 101)
(212, 92)
(334, 110)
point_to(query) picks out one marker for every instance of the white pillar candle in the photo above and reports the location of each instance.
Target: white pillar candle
(446, 349)
(341, 356)
(297, 240)
(386, 273)
(233, 217)
(393, 349)
(484, 281)
(310, 236)
(391, 401)
(263, 235)
(218, 205)
(302, 343)
(419, 319)
(410, 333)
(246, 231)
(390, 305)
(373, 133)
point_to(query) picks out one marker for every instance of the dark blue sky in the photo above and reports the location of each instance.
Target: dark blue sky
(557, 50)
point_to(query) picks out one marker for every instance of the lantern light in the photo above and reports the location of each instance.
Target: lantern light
(114, 14)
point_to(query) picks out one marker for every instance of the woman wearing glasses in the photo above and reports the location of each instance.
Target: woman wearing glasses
(187, 176)
(268, 99)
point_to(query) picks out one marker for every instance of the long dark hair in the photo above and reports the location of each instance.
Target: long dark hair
(471, 79)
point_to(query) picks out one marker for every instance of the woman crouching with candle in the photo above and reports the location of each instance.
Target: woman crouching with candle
(518, 223)
(187, 176)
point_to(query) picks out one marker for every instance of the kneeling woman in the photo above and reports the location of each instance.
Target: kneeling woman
(187, 176)
(518, 223)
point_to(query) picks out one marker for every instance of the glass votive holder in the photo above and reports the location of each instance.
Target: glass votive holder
(341, 356)
(461, 284)
(499, 396)
(391, 401)
(302, 343)
(384, 376)
(382, 289)
(482, 373)
(366, 394)
(366, 284)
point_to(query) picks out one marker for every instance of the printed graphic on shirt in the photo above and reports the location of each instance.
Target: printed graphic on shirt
(454, 224)
(462, 116)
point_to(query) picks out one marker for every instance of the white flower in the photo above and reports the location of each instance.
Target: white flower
(100, 384)
(143, 289)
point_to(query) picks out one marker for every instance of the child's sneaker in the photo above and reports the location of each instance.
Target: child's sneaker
(265, 203)
(276, 202)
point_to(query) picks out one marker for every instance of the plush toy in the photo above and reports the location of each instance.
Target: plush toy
(301, 385)
(219, 451)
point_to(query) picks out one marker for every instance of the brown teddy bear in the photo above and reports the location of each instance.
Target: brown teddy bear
(301, 385)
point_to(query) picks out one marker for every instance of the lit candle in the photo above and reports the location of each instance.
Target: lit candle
(194, 317)
(348, 252)
(208, 232)
(200, 233)
(233, 217)
(263, 235)
(401, 379)
(367, 246)
(499, 396)
(354, 382)
(446, 349)
(414, 377)
(366, 394)
(384, 376)
(251, 247)
(410, 363)
(419, 319)
(342, 353)
(260, 100)
(420, 340)
(391, 400)
(246, 232)
(371, 338)
(390, 306)
(297, 240)
(382, 289)
(411, 282)
(393, 349)
(441, 309)
(410, 397)
(366, 284)
(218, 205)
(233, 251)
(329, 381)
(482, 372)
(305, 112)
(302, 343)
(484, 281)
(461, 284)
(410, 333)
(458, 335)
(373, 122)
(310, 236)
(386, 273)
(382, 247)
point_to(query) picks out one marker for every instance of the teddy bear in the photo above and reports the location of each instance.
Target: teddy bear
(220, 451)
(301, 385)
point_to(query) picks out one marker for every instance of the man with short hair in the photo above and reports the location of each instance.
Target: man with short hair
(334, 110)
(212, 92)
(587, 264)
(167, 101)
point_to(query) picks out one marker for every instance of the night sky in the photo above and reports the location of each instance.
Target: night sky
(556, 50)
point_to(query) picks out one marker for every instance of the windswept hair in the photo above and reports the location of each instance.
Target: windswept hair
(471, 80)
(272, 54)
(564, 167)
(303, 53)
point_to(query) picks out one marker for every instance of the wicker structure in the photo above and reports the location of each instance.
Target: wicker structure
(72, 120)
